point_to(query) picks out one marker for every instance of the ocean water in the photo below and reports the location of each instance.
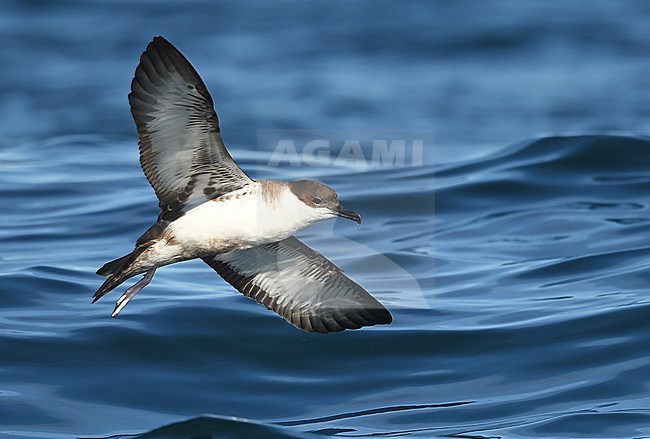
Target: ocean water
(514, 255)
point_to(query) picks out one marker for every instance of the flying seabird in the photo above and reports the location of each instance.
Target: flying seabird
(210, 209)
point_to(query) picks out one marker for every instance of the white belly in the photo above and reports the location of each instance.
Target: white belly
(238, 222)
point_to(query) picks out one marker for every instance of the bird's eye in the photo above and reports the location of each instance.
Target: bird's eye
(317, 200)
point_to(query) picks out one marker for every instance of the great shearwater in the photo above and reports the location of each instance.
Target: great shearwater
(210, 209)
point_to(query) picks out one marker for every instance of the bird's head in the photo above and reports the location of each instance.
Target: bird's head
(323, 199)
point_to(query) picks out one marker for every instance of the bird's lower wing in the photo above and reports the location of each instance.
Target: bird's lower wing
(301, 285)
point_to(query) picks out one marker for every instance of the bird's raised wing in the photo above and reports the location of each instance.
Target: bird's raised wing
(181, 151)
(300, 285)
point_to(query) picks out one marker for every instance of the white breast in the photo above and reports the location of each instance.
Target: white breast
(241, 219)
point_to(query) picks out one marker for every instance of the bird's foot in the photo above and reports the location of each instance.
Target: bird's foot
(132, 291)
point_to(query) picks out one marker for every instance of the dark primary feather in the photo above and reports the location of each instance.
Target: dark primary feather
(300, 285)
(181, 151)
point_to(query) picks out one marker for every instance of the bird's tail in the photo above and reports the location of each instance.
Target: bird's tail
(112, 281)
(118, 271)
(113, 266)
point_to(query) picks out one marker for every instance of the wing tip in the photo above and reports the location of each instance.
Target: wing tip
(159, 42)
(340, 320)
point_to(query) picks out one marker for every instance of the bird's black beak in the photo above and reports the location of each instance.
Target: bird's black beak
(344, 213)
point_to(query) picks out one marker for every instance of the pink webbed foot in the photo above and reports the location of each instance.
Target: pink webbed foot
(132, 291)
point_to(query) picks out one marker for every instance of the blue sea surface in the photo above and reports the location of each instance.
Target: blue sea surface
(514, 256)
